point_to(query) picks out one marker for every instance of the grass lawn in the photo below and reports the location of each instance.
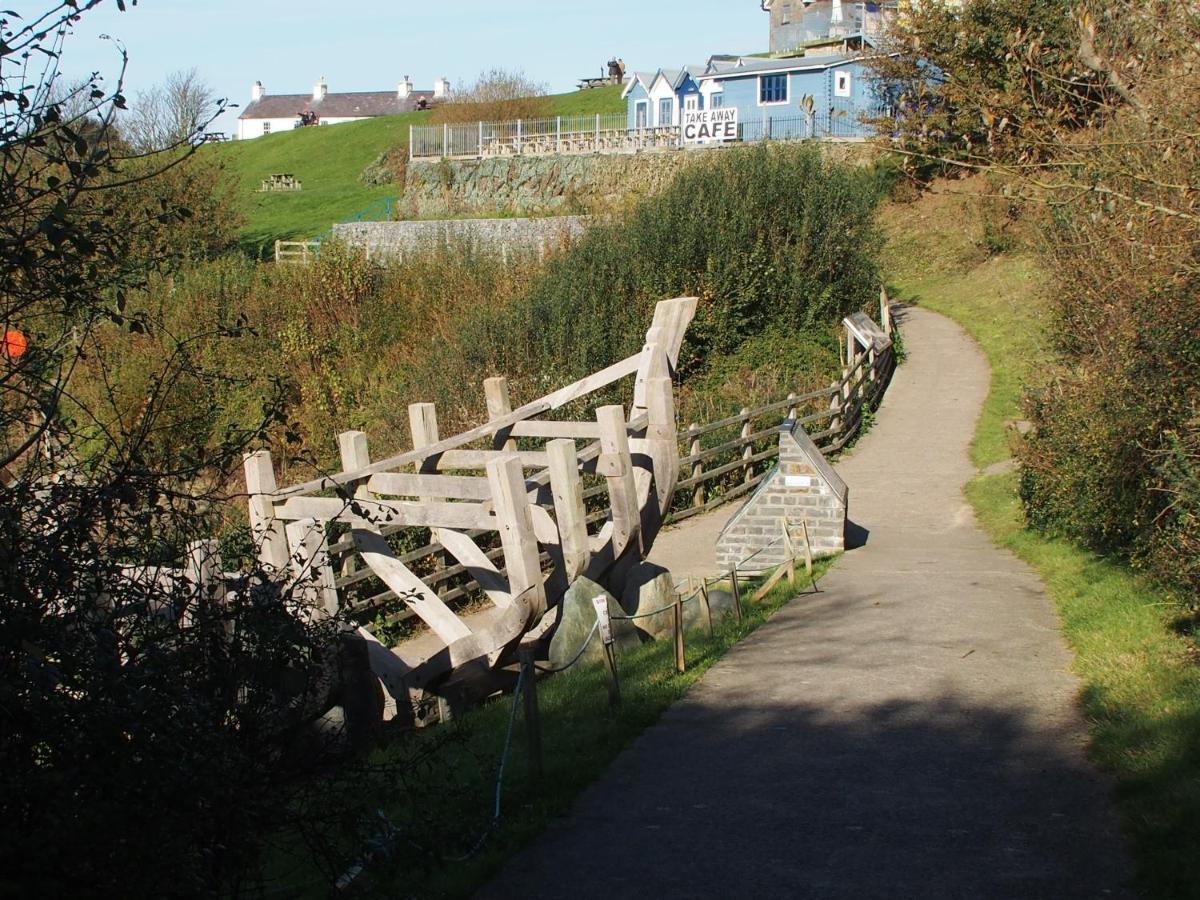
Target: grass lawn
(451, 801)
(1134, 654)
(328, 162)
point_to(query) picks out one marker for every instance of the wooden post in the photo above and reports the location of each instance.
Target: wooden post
(422, 421)
(708, 622)
(835, 403)
(748, 451)
(885, 311)
(207, 582)
(737, 594)
(614, 683)
(694, 449)
(618, 470)
(312, 577)
(499, 406)
(569, 510)
(680, 656)
(790, 550)
(533, 720)
(517, 537)
(793, 411)
(266, 530)
(851, 348)
(808, 554)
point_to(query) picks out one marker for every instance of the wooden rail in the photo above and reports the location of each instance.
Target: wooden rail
(303, 252)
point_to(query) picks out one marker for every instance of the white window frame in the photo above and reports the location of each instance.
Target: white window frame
(841, 89)
(267, 126)
(671, 119)
(691, 102)
(787, 89)
(645, 119)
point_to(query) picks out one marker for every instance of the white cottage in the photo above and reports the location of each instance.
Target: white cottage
(272, 113)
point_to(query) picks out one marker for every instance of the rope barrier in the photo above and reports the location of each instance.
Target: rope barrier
(586, 641)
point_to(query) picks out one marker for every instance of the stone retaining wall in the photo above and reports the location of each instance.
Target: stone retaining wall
(505, 236)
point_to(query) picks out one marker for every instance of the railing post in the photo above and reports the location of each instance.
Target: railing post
(793, 412)
(680, 649)
(885, 311)
(479, 151)
(748, 450)
(569, 510)
(266, 530)
(558, 135)
(518, 137)
(446, 139)
(499, 406)
(597, 146)
(835, 403)
(698, 466)
(411, 145)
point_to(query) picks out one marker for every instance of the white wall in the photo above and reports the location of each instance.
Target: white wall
(252, 128)
(659, 91)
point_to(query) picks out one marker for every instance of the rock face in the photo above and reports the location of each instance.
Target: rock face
(395, 240)
(577, 616)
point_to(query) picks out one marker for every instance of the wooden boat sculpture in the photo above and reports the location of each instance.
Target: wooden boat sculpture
(532, 498)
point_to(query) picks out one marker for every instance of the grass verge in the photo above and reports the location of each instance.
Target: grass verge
(452, 801)
(1134, 654)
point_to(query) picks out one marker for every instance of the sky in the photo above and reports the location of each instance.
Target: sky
(365, 45)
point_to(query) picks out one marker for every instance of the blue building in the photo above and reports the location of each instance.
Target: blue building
(655, 99)
(811, 96)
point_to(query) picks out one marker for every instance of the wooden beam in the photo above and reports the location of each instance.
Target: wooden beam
(415, 593)
(539, 428)
(622, 490)
(569, 508)
(381, 513)
(452, 487)
(266, 530)
(521, 556)
(422, 422)
(478, 566)
(479, 459)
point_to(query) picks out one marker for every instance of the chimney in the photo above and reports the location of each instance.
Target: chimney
(320, 89)
(441, 88)
(257, 92)
(406, 88)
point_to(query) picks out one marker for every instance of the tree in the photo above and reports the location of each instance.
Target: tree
(170, 113)
(148, 725)
(497, 95)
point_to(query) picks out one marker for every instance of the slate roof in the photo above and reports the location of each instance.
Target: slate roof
(358, 104)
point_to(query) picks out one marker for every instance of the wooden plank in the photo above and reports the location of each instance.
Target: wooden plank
(480, 459)
(425, 603)
(388, 512)
(266, 530)
(521, 557)
(422, 422)
(453, 487)
(480, 567)
(622, 489)
(779, 575)
(539, 428)
(569, 507)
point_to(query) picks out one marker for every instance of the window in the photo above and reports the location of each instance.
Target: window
(641, 114)
(266, 127)
(772, 89)
(716, 101)
(841, 84)
(787, 14)
(691, 102)
(666, 111)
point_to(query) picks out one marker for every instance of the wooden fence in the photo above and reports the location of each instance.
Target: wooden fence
(303, 252)
(718, 462)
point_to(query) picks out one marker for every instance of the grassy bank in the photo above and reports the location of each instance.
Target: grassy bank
(1135, 656)
(451, 798)
(328, 162)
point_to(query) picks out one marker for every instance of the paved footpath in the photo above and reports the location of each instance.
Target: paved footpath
(910, 731)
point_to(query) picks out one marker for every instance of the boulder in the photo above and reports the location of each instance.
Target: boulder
(576, 617)
(647, 589)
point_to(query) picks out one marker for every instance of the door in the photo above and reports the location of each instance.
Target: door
(641, 114)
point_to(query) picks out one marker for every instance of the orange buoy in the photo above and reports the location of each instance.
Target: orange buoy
(14, 345)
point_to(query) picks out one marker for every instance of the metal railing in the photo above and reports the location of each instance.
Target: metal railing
(611, 134)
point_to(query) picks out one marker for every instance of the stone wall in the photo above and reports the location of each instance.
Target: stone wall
(564, 183)
(397, 239)
(803, 487)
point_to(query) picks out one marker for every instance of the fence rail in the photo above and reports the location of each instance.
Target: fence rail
(303, 252)
(608, 134)
(719, 462)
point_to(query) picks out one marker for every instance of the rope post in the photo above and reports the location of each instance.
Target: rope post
(748, 452)
(533, 720)
(704, 605)
(737, 594)
(808, 553)
(680, 660)
(697, 467)
(604, 622)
